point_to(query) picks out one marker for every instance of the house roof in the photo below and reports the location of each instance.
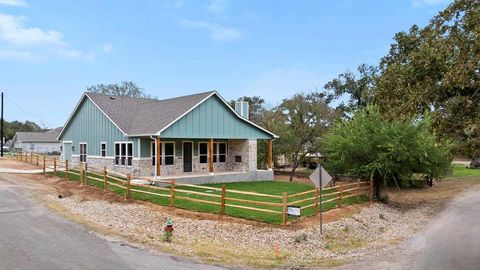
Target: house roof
(144, 117)
(48, 136)
(137, 116)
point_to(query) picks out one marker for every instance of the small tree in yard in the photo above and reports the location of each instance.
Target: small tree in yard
(305, 118)
(389, 152)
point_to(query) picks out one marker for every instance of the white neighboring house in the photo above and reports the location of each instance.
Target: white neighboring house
(38, 142)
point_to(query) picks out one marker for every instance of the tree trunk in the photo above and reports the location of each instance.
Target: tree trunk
(377, 187)
(292, 172)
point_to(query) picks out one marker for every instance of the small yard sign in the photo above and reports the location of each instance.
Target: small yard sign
(293, 210)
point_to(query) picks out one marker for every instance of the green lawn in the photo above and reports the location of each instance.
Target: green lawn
(266, 187)
(463, 171)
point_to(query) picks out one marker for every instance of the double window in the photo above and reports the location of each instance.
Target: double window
(124, 153)
(167, 153)
(103, 149)
(219, 152)
(83, 152)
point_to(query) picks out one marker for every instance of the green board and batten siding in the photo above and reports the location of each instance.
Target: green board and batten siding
(90, 125)
(212, 119)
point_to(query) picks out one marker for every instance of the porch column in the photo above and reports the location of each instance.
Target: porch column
(157, 156)
(210, 155)
(269, 155)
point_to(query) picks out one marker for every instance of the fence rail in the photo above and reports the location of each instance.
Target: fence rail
(218, 197)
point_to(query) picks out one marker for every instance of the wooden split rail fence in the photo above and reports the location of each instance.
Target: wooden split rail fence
(222, 198)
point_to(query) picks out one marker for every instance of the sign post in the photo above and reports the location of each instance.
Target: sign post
(320, 178)
(320, 195)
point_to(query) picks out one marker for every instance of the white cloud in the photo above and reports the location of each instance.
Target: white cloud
(217, 32)
(13, 31)
(18, 54)
(216, 7)
(422, 3)
(13, 3)
(18, 41)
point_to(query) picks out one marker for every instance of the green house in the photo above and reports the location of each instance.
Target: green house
(195, 138)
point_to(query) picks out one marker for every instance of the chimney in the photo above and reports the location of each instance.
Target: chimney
(242, 107)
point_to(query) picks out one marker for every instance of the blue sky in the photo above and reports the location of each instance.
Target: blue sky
(50, 51)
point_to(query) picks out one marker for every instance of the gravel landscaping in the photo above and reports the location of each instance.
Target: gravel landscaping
(370, 232)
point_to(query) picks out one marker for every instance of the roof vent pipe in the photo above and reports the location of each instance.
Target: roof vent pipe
(242, 108)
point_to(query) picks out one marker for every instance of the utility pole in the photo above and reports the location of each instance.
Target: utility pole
(1, 130)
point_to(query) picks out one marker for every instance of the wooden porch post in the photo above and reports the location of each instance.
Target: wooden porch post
(269, 156)
(157, 156)
(210, 155)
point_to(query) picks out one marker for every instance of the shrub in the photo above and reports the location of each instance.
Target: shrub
(389, 152)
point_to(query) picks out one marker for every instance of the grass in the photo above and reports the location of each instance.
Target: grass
(266, 187)
(462, 171)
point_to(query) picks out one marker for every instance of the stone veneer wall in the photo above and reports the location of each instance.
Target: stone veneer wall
(247, 149)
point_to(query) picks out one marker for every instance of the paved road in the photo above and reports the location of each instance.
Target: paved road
(450, 241)
(32, 237)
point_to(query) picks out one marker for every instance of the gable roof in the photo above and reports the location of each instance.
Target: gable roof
(48, 136)
(145, 117)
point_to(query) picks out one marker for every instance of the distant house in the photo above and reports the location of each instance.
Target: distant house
(196, 138)
(38, 142)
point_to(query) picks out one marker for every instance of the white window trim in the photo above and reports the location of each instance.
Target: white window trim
(80, 150)
(120, 154)
(218, 152)
(162, 155)
(106, 149)
(208, 151)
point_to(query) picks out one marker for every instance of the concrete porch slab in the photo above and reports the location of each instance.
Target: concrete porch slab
(219, 177)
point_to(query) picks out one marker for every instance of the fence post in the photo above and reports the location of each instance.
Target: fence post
(371, 191)
(31, 158)
(54, 166)
(317, 191)
(284, 213)
(66, 170)
(85, 178)
(37, 160)
(81, 172)
(340, 195)
(172, 193)
(105, 183)
(44, 166)
(127, 192)
(222, 202)
(358, 191)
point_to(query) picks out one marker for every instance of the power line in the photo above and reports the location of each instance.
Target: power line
(42, 122)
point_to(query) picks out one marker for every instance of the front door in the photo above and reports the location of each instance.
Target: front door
(187, 156)
(67, 151)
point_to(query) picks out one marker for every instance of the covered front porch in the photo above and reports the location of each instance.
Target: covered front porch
(194, 158)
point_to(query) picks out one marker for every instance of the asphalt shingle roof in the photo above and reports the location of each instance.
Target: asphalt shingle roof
(48, 136)
(137, 116)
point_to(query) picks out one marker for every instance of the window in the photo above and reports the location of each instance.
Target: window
(219, 152)
(83, 152)
(117, 153)
(222, 152)
(169, 153)
(129, 154)
(203, 152)
(103, 149)
(154, 154)
(124, 153)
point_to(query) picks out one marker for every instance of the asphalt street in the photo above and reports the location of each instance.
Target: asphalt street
(34, 237)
